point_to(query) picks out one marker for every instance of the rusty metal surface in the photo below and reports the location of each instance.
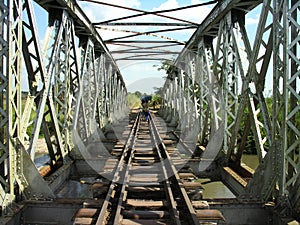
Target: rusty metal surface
(143, 190)
(144, 199)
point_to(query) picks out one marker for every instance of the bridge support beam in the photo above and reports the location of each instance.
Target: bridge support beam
(226, 80)
(43, 98)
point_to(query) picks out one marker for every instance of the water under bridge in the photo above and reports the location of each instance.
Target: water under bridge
(225, 87)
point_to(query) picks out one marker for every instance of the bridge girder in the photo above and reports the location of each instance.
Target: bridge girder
(71, 84)
(230, 85)
(66, 94)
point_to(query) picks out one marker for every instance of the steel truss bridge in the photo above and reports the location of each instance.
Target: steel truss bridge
(217, 81)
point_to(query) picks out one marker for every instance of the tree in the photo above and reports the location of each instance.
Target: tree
(156, 100)
(166, 65)
(138, 94)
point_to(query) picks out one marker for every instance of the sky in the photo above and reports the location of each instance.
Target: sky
(136, 72)
(141, 72)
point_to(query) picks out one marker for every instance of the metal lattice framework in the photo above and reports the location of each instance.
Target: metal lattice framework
(71, 84)
(67, 90)
(230, 84)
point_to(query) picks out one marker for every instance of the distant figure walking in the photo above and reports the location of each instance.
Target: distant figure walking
(145, 106)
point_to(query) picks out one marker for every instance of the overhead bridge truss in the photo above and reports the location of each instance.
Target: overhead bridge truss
(70, 84)
(219, 81)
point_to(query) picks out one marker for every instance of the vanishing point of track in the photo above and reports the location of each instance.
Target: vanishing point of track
(146, 187)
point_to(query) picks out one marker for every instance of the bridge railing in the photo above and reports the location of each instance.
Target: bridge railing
(226, 78)
(49, 90)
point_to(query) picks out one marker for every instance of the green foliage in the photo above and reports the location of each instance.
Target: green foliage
(134, 99)
(156, 101)
(166, 65)
(137, 94)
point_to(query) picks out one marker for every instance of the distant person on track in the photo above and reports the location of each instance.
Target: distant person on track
(145, 106)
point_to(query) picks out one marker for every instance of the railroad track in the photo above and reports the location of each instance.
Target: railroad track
(145, 188)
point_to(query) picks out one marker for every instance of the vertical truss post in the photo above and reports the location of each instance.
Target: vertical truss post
(15, 122)
(241, 51)
(164, 100)
(184, 97)
(171, 100)
(287, 95)
(101, 105)
(292, 98)
(6, 147)
(66, 80)
(105, 92)
(167, 99)
(114, 88)
(58, 55)
(180, 94)
(119, 100)
(108, 91)
(84, 119)
(14, 97)
(97, 114)
(96, 92)
(194, 89)
(189, 88)
(282, 159)
(4, 137)
(242, 42)
(257, 71)
(176, 100)
(112, 94)
(279, 92)
(263, 183)
(187, 93)
(123, 95)
(202, 70)
(115, 97)
(226, 69)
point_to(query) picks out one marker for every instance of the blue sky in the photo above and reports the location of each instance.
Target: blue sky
(135, 71)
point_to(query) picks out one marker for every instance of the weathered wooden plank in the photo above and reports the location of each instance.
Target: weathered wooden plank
(140, 214)
(209, 214)
(144, 222)
(142, 203)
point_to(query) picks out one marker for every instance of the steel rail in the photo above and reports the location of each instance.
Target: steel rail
(113, 209)
(125, 178)
(174, 212)
(167, 184)
(118, 173)
(177, 185)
